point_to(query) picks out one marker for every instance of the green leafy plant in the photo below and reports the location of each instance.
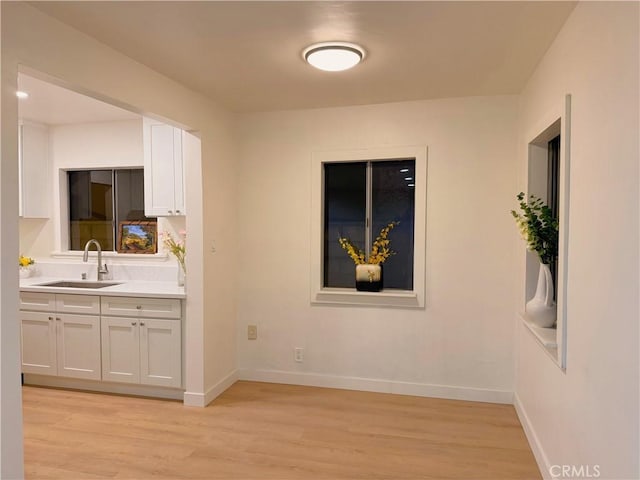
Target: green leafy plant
(537, 227)
(380, 250)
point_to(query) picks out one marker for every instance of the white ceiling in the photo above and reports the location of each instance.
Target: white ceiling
(247, 55)
(53, 105)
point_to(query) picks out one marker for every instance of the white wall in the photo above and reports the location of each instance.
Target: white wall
(96, 145)
(88, 66)
(588, 416)
(11, 452)
(87, 145)
(461, 344)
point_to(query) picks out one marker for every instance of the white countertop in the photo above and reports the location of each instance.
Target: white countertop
(125, 288)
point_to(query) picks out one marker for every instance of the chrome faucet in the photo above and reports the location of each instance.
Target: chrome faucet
(102, 269)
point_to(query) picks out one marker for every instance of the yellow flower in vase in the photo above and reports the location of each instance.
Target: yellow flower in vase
(25, 261)
(369, 270)
(380, 250)
(25, 265)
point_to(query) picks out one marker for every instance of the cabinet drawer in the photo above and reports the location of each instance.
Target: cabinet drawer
(89, 304)
(40, 302)
(141, 307)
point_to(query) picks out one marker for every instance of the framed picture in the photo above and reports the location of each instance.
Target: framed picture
(137, 237)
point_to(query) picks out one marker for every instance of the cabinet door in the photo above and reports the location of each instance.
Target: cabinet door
(161, 352)
(34, 171)
(78, 346)
(163, 172)
(120, 349)
(178, 173)
(38, 343)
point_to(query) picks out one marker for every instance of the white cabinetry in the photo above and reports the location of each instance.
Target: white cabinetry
(60, 335)
(142, 341)
(163, 169)
(33, 156)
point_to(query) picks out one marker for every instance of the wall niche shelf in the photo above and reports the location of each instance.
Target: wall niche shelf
(548, 178)
(546, 337)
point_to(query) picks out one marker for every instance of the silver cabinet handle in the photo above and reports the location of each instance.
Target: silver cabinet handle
(58, 318)
(177, 212)
(50, 318)
(134, 323)
(142, 324)
(170, 212)
(139, 307)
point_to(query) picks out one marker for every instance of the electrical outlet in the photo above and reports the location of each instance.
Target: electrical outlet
(299, 354)
(252, 332)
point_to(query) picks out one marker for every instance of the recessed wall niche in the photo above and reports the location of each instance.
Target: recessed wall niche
(548, 178)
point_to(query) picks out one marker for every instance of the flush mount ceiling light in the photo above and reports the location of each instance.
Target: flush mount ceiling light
(333, 56)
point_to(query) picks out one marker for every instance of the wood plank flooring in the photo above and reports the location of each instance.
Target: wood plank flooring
(275, 432)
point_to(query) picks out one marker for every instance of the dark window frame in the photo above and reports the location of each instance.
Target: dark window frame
(553, 195)
(76, 242)
(378, 178)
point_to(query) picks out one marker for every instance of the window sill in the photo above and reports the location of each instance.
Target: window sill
(69, 254)
(385, 298)
(546, 337)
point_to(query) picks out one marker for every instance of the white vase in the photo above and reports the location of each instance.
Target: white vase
(368, 277)
(541, 309)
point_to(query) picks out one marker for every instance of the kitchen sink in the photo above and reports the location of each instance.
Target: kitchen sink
(80, 284)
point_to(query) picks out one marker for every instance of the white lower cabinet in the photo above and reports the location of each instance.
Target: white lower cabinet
(121, 350)
(38, 343)
(58, 343)
(139, 347)
(118, 339)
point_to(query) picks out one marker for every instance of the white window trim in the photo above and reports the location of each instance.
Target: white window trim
(387, 298)
(561, 111)
(73, 254)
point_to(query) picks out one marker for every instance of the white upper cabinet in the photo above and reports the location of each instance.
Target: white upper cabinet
(35, 179)
(163, 169)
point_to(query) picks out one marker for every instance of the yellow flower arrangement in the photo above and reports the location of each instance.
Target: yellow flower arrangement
(380, 250)
(25, 261)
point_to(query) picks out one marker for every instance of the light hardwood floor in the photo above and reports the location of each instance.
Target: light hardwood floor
(268, 431)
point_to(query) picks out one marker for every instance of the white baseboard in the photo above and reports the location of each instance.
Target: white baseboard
(536, 447)
(193, 399)
(376, 385)
(103, 387)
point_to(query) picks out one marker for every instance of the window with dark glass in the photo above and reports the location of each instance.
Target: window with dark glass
(360, 198)
(553, 190)
(99, 200)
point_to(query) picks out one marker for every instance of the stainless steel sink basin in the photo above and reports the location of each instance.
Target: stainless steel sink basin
(80, 284)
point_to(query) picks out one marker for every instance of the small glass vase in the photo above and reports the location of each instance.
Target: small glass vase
(182, 277)
(26, 272)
